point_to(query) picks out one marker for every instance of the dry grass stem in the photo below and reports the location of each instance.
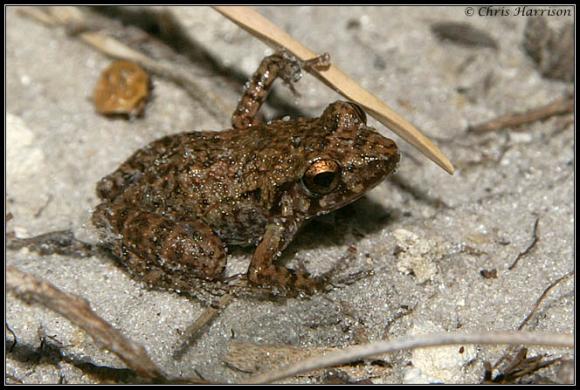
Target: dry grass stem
(193, 331)
(359, 352)
(58, 16)
(542, 297)
(263, 29)
(79, 312)
(535, 238)
(561, 106)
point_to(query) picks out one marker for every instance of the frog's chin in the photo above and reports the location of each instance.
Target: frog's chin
(337, 204)
(328, 204)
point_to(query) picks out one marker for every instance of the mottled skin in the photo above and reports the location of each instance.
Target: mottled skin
(175, 205)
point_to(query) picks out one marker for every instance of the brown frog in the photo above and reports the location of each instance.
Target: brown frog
(175, 206)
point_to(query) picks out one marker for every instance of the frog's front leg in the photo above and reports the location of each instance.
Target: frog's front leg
(264, 272)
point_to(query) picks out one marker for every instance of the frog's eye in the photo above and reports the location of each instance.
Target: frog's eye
(359, 112)
(322, 176)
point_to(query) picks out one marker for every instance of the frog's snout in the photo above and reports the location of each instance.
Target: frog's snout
(382, 148)
(389, 148)
(382, 158)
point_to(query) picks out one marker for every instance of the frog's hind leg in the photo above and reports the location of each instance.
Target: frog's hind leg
(281, 64)
(256, 91)
(157, 249)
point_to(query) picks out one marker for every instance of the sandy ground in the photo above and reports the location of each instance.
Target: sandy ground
(426, 234)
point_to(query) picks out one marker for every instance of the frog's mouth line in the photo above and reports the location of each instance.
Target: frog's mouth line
(350, 197)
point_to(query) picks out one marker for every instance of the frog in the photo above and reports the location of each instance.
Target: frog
(173, 210)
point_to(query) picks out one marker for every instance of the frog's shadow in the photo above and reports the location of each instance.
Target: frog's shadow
(344, 226)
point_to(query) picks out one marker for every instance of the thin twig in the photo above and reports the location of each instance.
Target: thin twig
(62, 242)
(534, 311)
(542, 297)
(11, 348)
(79, 312)
(359, 352)
(264, 30)
(562, 125)
(535, 239)
(118, 50)
(193, 331)
(519, 366)
(39, 15)
(561, 106)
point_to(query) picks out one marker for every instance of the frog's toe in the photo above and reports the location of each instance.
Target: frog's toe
(291, 281)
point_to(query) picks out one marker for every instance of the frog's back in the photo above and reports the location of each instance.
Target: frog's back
(168, 154)
(233, 161)
(232, 179)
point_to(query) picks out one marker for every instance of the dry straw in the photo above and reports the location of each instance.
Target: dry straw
(263, 29)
